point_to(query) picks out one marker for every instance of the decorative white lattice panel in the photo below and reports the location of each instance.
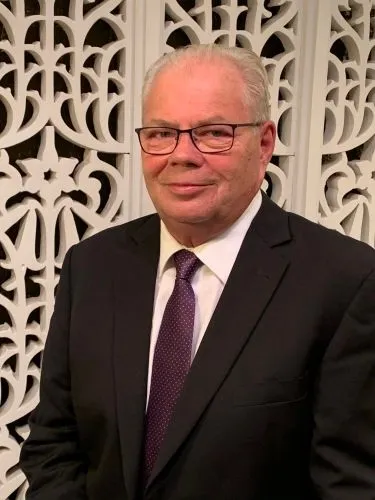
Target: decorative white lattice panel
(65, 134)
(347, 188)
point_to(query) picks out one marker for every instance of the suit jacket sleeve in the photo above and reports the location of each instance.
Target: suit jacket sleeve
(343, 450)
(50, 457)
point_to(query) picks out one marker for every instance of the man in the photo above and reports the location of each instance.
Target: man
(225, 350)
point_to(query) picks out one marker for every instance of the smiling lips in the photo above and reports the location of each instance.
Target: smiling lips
(186, 188)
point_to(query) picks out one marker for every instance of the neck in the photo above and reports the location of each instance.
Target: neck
(192, 235)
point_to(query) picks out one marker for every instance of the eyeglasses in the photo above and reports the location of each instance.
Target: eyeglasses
(211, 139)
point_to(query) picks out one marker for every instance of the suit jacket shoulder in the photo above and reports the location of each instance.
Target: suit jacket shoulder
(121, 233)
(103, 246)
(319, 245)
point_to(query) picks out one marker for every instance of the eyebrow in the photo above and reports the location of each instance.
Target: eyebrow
(161, 123)
(212, 119)
(207, 121)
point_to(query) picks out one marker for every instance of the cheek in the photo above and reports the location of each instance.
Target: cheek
(243, 177)
(235, 171)
(151, 167)
(223, 167)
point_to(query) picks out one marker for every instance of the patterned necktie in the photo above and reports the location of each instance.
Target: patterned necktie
(172, 355)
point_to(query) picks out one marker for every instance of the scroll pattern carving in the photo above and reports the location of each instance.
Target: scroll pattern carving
(269, 27)
(64, 162)
(347, 195)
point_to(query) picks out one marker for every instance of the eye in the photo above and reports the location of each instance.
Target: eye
(214, 132)
(158, 133)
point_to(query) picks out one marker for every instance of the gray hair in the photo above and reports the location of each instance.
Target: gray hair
(248, 63)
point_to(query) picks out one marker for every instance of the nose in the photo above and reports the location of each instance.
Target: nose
(185, 151)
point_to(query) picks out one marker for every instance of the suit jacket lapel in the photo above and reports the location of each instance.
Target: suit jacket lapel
(134, 286)
(255, 276)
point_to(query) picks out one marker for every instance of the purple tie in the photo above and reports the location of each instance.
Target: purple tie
(172, 356)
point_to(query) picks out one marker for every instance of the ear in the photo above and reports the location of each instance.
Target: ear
(267, 142)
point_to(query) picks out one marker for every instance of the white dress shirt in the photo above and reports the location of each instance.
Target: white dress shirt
(218, 256)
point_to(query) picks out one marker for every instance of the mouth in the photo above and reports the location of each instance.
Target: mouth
(186, 188)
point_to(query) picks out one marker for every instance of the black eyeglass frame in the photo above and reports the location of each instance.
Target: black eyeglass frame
(189, 131)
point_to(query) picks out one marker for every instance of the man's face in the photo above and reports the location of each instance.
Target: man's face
(191, 187)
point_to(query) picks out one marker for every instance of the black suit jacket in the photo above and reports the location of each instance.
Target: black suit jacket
(280, 399)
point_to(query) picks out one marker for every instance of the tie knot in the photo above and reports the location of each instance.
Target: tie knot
(186, 264)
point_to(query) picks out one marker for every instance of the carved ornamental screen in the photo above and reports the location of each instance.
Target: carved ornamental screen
(70, 80)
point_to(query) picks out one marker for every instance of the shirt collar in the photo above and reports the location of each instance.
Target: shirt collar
(218, 254)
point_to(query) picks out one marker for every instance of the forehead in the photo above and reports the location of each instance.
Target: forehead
(196, 88)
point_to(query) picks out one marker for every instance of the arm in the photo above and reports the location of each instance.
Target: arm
(343, 447)
(50, 457)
